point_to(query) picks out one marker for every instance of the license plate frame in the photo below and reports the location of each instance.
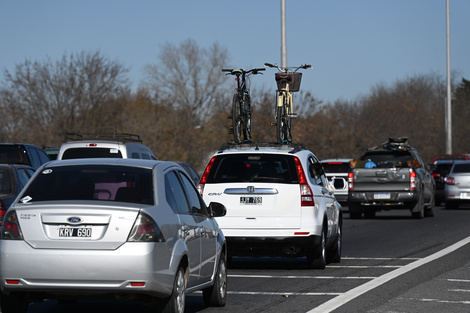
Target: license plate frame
(382, 196)
(251, 200)
(75, 232)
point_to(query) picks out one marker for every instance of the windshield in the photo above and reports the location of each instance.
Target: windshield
(92, 182)
(253, 168)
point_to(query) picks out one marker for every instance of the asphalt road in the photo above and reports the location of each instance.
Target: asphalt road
(391, 263)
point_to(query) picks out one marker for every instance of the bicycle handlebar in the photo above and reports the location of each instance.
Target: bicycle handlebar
(253, 71)
(286, 69)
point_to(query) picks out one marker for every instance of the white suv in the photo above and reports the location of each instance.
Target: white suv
(278, 201)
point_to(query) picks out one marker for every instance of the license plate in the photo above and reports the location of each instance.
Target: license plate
(251, 200)
(74, 232)
(381, 195)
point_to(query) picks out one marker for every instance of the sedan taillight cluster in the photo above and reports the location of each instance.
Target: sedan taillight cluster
(11, 228)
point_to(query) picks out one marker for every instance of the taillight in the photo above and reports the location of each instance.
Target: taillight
(351, 180)
(450, 181)
(306, 194)
(11, 228)
(202, 181)
(412, 179)
(2, 212)
(145, 230)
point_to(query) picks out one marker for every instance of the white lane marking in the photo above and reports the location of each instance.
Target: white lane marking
(356, 292)
(459, 280)
(459, 290)
(379, 259)
(284, 293)
(364, 266)
(438, 301)
(302, 277)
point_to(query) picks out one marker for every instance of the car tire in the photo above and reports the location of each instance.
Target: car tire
(418, 208)
(429, 211)
(216, 295)
(13, 303)
(355, 210)
(316, 258)
(177, 301)
(334, 255)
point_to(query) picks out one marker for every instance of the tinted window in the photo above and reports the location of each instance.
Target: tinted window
(461, 168)
(34, 157)
(253, 168)
(389, 159)
(335, 167)
(196, 203)
(43, 156)
(12, 154)
(135, 155)
(24, 176)
(93, 182)
(83, 153)
(5, 181)
(175, 195)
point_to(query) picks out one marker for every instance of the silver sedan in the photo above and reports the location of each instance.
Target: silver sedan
(457, 187)
(119, 228)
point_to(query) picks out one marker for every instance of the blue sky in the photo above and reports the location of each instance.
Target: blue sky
(352, 45)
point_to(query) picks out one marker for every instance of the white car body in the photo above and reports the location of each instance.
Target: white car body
(265, 214)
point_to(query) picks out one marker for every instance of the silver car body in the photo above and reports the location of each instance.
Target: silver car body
(457, 187)
(336, 170)
(82, 247)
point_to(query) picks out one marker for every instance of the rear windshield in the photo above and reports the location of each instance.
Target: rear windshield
(84, 153)
(335, 167)
(12, 154)
(92, 182)
(389, 158)
(5, 182)
(253, 168)
(461, 168)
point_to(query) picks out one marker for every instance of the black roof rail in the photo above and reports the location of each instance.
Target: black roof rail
(295, 146)
(398, 143)
(126, 137)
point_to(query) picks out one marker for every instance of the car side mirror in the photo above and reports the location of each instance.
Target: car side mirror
(217, 209)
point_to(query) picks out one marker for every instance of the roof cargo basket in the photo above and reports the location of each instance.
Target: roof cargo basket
(124, 137)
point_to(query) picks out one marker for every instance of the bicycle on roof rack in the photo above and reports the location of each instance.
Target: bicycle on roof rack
(241, 105)
(288, 80)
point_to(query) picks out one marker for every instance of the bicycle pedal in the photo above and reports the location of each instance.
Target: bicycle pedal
(292, 115)
(273, 124)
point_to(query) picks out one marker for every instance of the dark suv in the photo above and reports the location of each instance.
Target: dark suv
(23, 153)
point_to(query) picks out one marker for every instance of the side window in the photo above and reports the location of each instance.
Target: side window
(43, 156)
(135, 155)
(196, 203)
(145, 156)
(33, 157)
(315, 171)
(175, 194)
(23, 176)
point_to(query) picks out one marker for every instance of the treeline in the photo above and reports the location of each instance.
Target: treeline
(181, 109)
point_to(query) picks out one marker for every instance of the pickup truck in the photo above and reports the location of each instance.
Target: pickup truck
(390, 176)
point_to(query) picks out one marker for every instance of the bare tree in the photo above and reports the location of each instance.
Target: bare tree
(190, 77)
(47, 97)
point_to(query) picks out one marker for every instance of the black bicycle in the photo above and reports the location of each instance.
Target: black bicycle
(288, 80)
(241, 104)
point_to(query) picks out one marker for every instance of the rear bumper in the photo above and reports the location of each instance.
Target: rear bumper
(272, 246)
(373, 198)
(85, 272)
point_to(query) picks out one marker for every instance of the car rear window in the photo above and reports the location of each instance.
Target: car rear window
(461, 168)
(5, 182)
(13, 154)
(84, 153)
(335, 167)
(253, 168)
(92, 182)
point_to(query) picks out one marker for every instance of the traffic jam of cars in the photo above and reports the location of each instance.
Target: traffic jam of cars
(136, 228)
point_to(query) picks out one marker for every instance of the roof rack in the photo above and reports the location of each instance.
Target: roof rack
(230, 145)
(75, 136)
(398, 143)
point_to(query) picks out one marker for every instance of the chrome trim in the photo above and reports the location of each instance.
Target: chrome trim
(257, 191)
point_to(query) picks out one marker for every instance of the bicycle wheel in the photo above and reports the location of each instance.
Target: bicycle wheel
(236, 119)
(283, 125)
(246, 121)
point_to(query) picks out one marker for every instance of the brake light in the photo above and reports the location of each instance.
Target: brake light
(145, 230)
(11, 228)
(450, 181)
(92, 145)
(412, 179)
(351, 180)
(306, 194)
(202, 181)
(2, 212)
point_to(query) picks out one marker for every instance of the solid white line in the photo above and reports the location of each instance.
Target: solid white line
(459, 290)
(365, 266)
(284, 293)
(380, 259)
(459, 280)
(303, 277)
(440, 301)
(356, 292)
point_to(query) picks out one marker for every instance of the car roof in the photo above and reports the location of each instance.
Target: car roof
(261, 148)
(335, 160)
(110, 161)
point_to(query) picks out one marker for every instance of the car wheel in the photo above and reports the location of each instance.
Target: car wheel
(216, 294)
(429, 212)
(176, 302)
(316, 258)
(334, 255)
(418, 209)
(13, 303)
(355, 210)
